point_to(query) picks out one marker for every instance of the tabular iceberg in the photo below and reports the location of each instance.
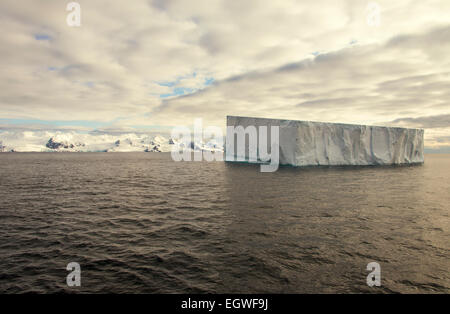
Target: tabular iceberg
(305, 143)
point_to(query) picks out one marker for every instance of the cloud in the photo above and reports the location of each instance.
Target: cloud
(431, 122)
(361, 84)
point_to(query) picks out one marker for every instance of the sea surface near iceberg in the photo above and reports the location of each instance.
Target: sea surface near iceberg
(142, 223)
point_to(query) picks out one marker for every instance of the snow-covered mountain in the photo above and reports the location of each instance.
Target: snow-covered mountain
(72, 141)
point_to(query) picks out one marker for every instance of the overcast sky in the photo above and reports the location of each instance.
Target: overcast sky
(143, 64)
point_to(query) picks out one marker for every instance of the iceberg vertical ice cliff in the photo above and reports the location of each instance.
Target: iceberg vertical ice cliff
(305, 143)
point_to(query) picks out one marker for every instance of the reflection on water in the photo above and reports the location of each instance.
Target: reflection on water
(140, 222)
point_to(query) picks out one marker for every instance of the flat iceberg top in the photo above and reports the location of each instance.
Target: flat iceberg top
(307, 143)
(294, 122)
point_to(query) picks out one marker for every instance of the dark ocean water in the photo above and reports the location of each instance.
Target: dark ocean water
(139, 222)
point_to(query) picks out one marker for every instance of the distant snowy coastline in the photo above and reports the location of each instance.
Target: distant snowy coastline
(72, 141)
